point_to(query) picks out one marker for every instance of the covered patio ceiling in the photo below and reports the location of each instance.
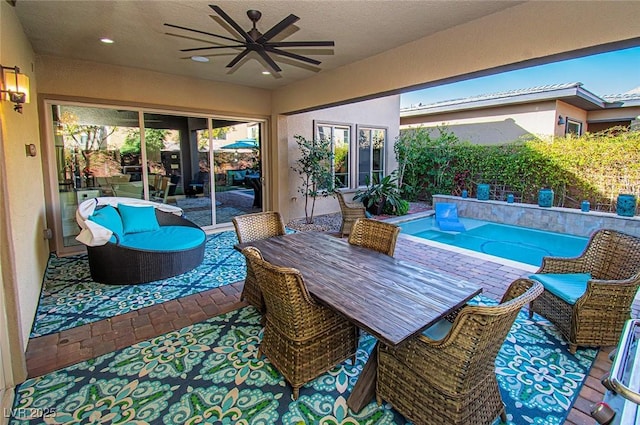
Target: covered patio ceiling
(360, 29)
(382, 47)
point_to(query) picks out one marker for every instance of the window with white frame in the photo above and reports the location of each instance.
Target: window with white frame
(340, 137)
(573, 127)
(371, 145)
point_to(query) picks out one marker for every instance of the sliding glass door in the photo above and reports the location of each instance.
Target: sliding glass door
(90, 160)
(209, 167)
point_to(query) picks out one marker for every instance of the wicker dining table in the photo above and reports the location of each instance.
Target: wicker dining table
(389, 298)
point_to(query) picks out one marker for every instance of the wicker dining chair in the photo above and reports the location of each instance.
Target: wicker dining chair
(446, 375)
(374, 234)
(253, 227)
(589, 297)
(301, 338)
(351, 211)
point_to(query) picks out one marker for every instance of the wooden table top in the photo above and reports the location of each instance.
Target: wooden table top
(391, 299)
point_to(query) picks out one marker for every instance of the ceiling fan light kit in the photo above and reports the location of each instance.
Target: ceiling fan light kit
(255, 41)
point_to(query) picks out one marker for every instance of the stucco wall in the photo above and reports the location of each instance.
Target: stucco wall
(574, 113)
(615, 114)
(24, 185)
(493, 125)
(82, 79)
(381, 112)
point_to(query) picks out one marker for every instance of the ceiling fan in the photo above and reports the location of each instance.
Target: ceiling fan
(255, 41)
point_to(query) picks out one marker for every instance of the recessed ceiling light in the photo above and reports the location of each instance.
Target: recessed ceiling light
(106, 40)
(266, 73)
(199, 59)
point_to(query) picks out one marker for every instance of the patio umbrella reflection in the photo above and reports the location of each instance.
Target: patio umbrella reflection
(242, 144)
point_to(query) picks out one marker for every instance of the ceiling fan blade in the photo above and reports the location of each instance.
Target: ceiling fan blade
(233, 23)
(292, 55)
(302, 44)
(238, 58)
(194, 49)
(203, 32)
(268, 60)
(278, 28)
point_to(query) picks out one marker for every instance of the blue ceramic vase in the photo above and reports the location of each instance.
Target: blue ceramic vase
(483, 192)
(545, 198)
(626, 205)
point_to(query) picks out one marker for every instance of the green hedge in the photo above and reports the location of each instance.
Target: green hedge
(596, 167)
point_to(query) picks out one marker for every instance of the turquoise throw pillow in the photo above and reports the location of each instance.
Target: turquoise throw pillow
(108, 217)
(138, 219)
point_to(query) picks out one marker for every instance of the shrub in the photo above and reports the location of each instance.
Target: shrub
(596, 167)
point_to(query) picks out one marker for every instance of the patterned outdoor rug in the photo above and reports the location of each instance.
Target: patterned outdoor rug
(70, 298)
(209, 373)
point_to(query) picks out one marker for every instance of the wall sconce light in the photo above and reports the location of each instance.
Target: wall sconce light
(15, 87)
(561, 120)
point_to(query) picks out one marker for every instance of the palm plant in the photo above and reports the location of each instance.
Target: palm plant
(382, 194)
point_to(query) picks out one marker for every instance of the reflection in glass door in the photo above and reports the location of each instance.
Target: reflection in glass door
(237, 169)
(177, 167)
(92, 160)
(209, 167)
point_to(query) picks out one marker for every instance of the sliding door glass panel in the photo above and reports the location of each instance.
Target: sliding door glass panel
(91, 160)
(178, 164)
(199, 193)
(162, 135)
(237, 168)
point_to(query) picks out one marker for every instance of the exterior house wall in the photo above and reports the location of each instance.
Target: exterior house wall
(492, 125)
(131, 86)
(569, 112)
(617, 114)
(504, 124)
(381, 113)
(23, 180)
(23, 250)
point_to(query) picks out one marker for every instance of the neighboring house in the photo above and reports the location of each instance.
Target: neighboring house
(545, 111)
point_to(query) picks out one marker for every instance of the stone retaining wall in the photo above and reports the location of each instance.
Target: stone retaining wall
(555, 219)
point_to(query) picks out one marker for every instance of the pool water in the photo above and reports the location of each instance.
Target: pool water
(511, 242)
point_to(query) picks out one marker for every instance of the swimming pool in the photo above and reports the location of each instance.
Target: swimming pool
(511, 242)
